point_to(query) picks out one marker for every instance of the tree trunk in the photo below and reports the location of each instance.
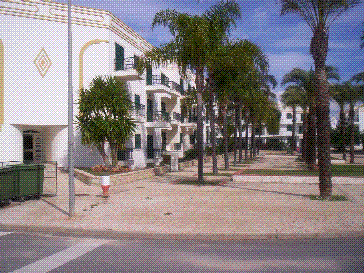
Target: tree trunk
(342, 131)
(101, 150)
(199, 86)
(259, 139)
(113, 151)
(226, 138)
(252, 139)
(311, 136)
(351, 132)
(246, 135)
(236, 134)
(213, 134)
(318, 49)
(240, 127)
(304, 137)
(294, 144)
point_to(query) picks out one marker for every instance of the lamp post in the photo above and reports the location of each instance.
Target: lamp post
(71, 182)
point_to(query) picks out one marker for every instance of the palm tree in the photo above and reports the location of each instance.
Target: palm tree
(340, 95)
(231, 66)
(195, 38)
(305, 80)
(319, 15)
(290, 98)
(355, 94)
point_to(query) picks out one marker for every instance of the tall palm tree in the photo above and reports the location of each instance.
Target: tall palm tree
(194, 39)
(305, 79)
(319, 15)
(233, 64)
(355, 94)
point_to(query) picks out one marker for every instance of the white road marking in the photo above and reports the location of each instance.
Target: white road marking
(4, 233)
(60, 258)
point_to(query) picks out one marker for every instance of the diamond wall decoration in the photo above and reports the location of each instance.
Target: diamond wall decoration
(42, 62)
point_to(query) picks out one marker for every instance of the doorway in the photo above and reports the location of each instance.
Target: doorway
(150, 149)
(32, 147)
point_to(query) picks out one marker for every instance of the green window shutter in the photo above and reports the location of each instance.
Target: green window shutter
(289, 128)
(136, 100)
(138, 141)
(136, 61)
(119, 57)
(149, 75)
(164, 79)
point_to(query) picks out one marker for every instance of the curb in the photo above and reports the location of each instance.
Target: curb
(113, 234)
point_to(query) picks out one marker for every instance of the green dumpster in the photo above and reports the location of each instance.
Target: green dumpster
(7, 184)
(29, 180)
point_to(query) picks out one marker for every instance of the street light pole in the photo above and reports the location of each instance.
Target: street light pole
(71, 182)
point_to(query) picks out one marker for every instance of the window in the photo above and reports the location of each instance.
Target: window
(289, 128)
(181, 138)
(289, 115)
(149, 78)
(138, 141)
(301, 117)
(300, 130)
(207, 136)
(119, 57)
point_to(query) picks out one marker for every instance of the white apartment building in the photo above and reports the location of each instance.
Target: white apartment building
(285, 127)
(34, 87)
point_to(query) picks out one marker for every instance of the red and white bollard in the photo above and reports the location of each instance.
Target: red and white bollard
(105, 185)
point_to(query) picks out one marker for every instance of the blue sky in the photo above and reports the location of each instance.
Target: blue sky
(284, 39)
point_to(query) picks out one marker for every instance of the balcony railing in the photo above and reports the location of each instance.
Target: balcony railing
(126, 154)
(177, 117)
(129, 63)
(192, 119)
(177, 146)
(162, 79)
(138, 109)
(161, 116)
(177, 87)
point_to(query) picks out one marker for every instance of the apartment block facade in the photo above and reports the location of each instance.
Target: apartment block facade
(34, 87)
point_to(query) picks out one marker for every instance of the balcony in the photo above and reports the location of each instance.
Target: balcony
(159, 119)
(128, 70)
(189, 122)
(162, 84)
(138, 112)
(176, 118)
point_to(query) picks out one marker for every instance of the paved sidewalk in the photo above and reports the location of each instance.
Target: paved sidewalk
(158, 208)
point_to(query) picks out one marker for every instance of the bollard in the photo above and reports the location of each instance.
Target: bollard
(105, 185)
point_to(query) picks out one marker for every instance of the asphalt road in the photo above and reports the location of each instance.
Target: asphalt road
(22, 252)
